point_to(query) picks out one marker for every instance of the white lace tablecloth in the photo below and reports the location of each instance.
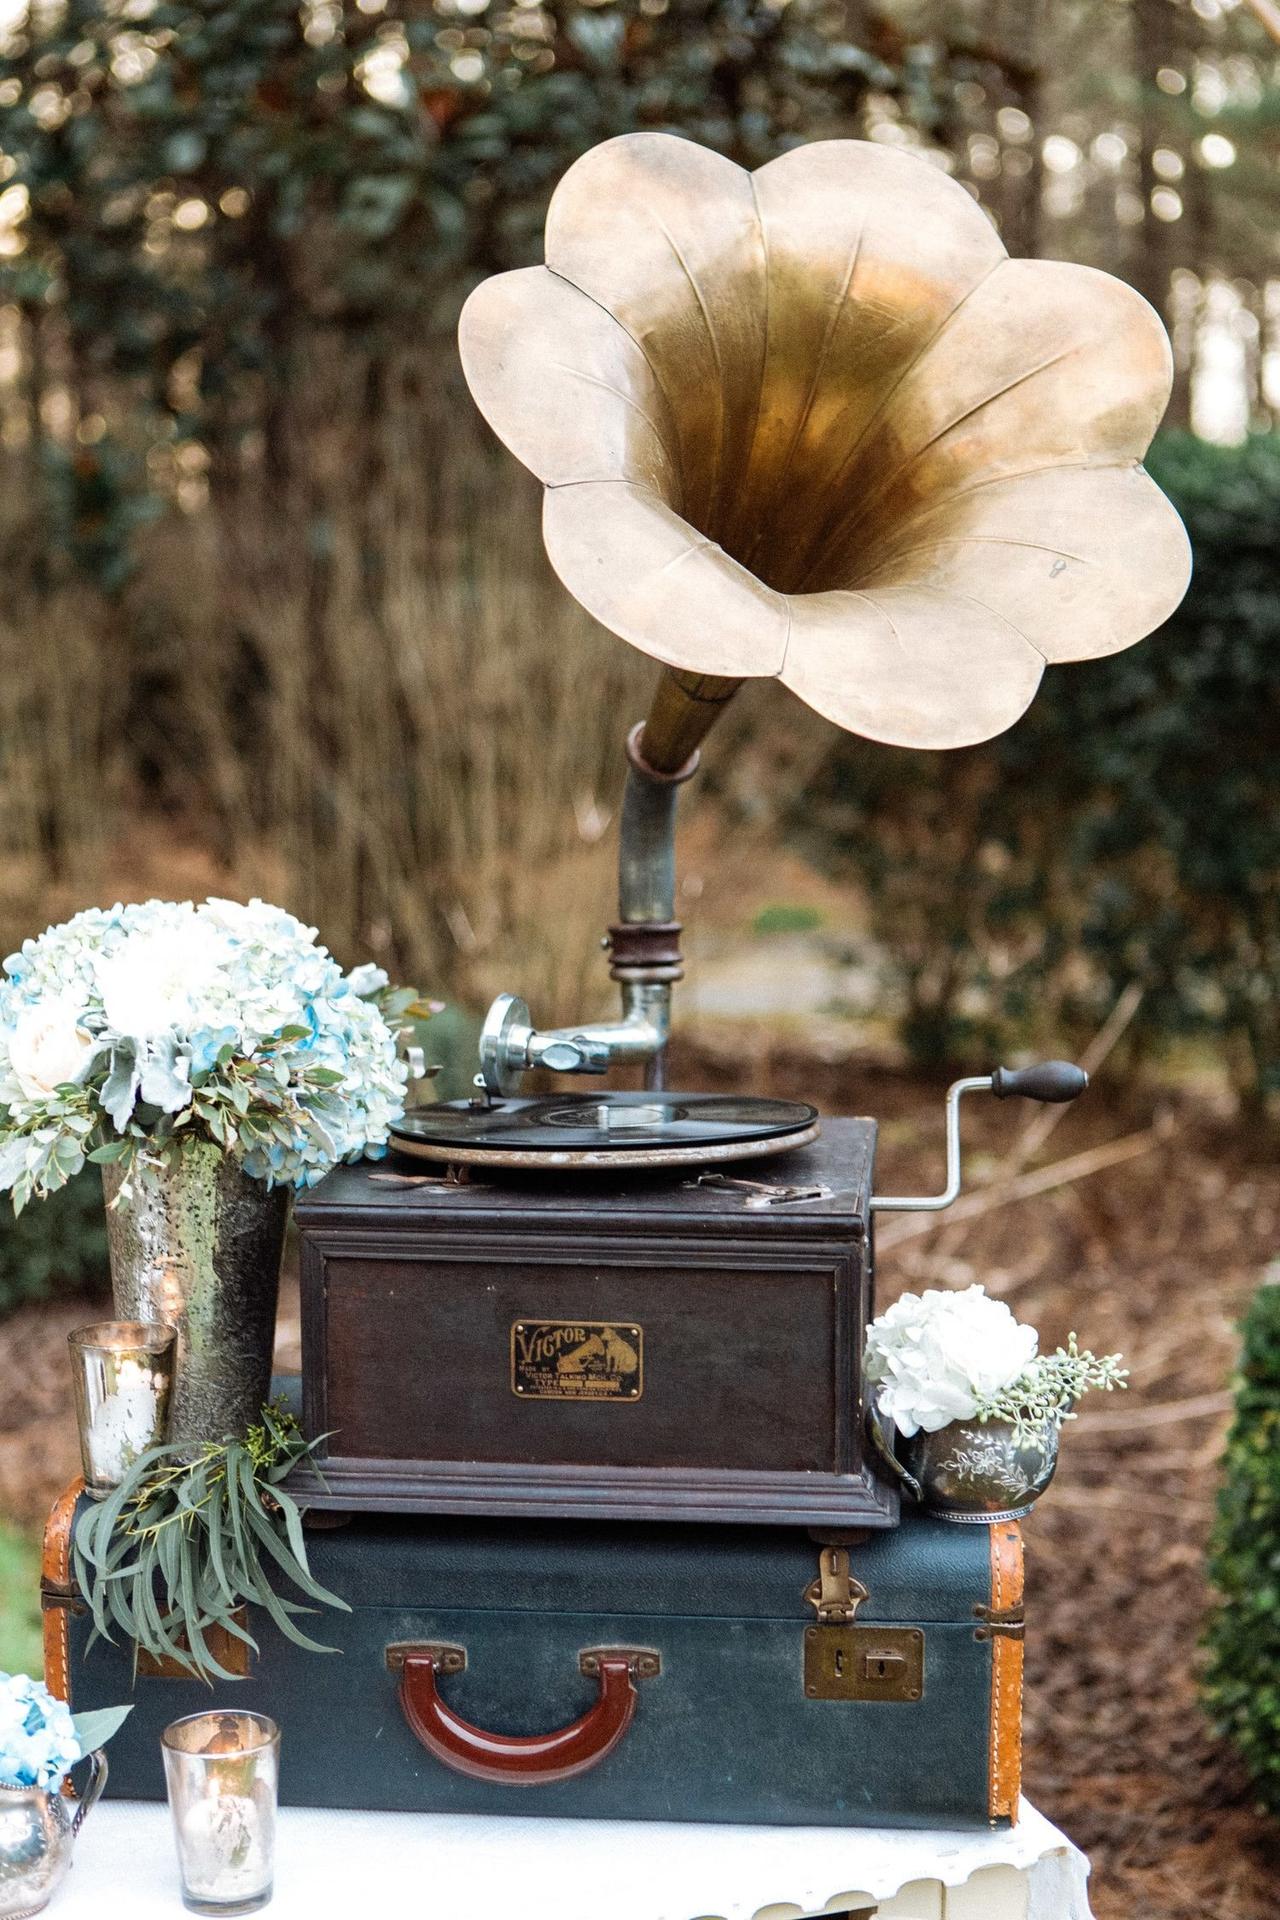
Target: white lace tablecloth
(389, 1866)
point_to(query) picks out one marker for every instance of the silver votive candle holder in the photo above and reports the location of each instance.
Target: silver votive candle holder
(221, 1771)
(122, 1372)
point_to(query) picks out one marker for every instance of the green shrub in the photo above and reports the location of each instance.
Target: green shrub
(241, 179)
(1242, 1680)
(60, 1245)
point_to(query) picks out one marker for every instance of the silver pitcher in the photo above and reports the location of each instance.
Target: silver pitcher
(198, 1245)
(971, 1471)
(37, 1831)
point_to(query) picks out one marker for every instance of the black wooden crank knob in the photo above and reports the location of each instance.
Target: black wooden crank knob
(1051, 1080)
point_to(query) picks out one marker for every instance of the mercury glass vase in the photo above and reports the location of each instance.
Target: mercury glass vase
(198, 1245)
(37, 1829)
(221, 1772)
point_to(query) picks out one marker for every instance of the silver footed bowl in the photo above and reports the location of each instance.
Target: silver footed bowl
(37, 1831)
(972, 1471)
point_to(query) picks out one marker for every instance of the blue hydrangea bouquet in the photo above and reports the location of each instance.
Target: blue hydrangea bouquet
(128, 1032)
(40, 1738)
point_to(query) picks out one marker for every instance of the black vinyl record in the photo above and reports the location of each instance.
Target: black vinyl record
(593, 1129)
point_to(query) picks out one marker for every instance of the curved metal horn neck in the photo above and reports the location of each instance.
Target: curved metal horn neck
(685, 708)
(645, 943)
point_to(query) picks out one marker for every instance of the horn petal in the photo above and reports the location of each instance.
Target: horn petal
(564, 386)
(814, 423)
(869, 253)
(664, 235)
(910, 666)
(679, 597)
(1040, 550)
(1046, 364)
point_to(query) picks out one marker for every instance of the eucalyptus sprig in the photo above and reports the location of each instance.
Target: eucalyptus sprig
(1048, 1389)
(180, 1545)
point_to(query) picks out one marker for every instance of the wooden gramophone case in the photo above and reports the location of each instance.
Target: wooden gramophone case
(626, 1347)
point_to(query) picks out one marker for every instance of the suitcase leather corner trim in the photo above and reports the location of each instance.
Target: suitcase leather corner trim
(57, 1592)
(1004, 1627)
(725, 1732)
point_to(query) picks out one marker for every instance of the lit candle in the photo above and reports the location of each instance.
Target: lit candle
(221, 1772)
(123, 1376)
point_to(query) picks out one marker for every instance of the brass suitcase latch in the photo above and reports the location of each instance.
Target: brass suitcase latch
(843, 1661)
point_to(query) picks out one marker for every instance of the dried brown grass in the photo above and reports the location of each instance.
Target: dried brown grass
(349, 675)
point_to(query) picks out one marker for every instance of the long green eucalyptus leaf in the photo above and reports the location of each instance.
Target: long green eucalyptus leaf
(273, 1606)
(200, 1651)
(214, 1523)
(297, 1571)
(182, 1544)
(297, 1541)
(239, 1541)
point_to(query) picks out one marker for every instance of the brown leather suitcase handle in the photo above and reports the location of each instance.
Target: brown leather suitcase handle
(514, 1760)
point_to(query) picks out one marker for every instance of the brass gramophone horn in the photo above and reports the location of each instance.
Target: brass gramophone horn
(814, 423)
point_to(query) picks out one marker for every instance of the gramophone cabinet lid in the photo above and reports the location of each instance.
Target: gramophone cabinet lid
(396, 1192)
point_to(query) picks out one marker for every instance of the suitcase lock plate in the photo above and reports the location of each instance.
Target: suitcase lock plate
(843, 1661)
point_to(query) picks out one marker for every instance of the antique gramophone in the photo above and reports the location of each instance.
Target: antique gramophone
(814, 424)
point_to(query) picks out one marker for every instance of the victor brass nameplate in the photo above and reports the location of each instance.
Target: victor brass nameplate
(600, 1360)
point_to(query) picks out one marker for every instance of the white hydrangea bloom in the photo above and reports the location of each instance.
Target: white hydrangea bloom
(935, 1357)
(162, 978)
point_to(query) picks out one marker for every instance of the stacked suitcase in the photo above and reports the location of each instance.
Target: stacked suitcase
(596, 1492)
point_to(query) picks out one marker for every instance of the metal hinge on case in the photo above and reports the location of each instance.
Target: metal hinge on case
(53, 1598)
(843, 1661)
(1005, 1623)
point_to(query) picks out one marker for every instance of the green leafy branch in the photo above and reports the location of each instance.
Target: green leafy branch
(182, 1545)
(1050, 1386)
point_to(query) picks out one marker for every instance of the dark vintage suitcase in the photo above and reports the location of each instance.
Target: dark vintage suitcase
(623, 1672)
(612, 1347)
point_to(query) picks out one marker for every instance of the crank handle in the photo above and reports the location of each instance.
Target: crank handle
(1055, 1081)
(1052, 1081)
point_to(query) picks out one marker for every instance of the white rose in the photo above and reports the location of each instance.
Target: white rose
(936, 1357)
(157, 979)
(47, 1046)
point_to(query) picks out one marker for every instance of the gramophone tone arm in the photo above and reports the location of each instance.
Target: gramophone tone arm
(1052, 1080)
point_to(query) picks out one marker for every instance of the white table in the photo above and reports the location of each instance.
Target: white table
(388, 1866)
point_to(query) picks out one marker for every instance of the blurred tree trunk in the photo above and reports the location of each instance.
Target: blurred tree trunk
(1154, 47)
(1019, 31)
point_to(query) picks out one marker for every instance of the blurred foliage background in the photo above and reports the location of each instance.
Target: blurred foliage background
(277, 616)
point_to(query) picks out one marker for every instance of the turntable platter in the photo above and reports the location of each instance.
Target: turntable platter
(606, 1130)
